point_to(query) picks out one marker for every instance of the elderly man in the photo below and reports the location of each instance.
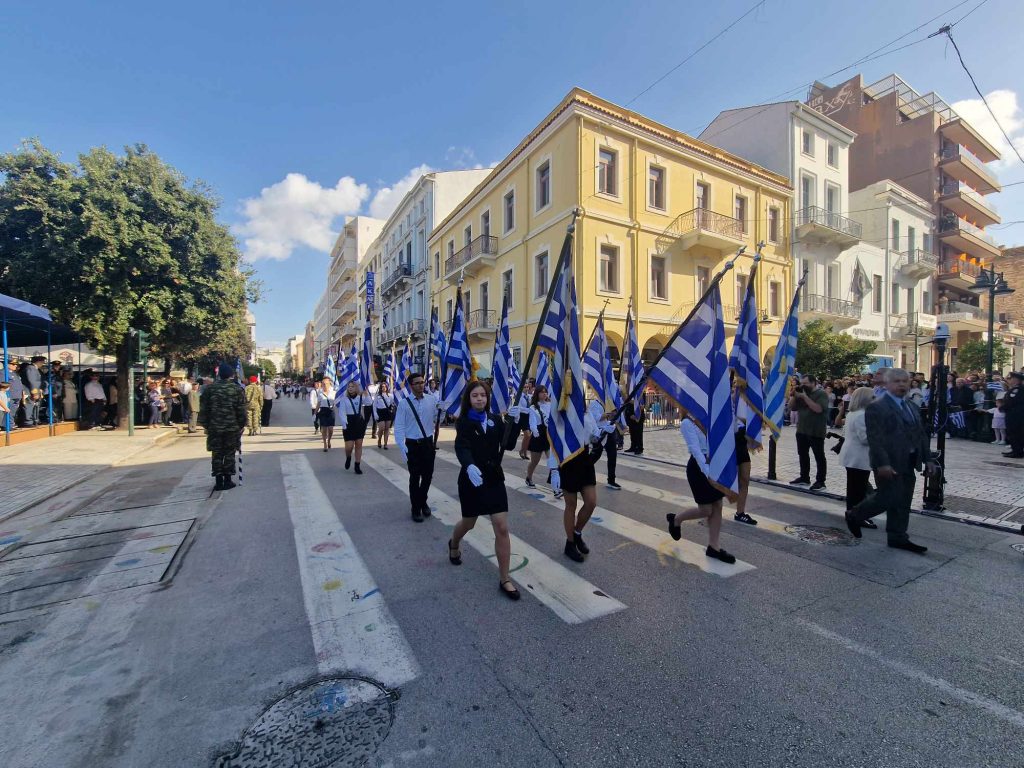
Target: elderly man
(95, 399)
(16, 393)
(32, 380)
(897, 447)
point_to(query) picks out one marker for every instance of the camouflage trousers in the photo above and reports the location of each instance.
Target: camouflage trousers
(223, 446)
(253, 416)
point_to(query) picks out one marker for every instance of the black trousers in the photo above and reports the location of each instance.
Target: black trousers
(804, 445)
(636, 437)
(611, 450)
(893, 497)
(421, 471)
(265, 415)
(856, 486)
(1015, 436)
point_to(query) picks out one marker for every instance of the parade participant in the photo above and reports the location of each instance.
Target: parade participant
(540, 410)
(708, 498)
(742, 463)
(384, 409)
(269, 395)
(412, 417)
(481, 480)
(635, 418)
(574, 478)
(253, 405)
(854, 454)
(1013, 407)
(222, 414)
(324, 412)
(314, 404)
(353, 423)
(524, 405)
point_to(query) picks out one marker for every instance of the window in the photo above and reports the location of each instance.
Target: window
(741, 288)
(450, 310)
(656, 187)
(543, 185)
(806, 191)
(895, 235)
(740, 212)
(910, 300)
(485, 296)
(467, 301)
(517, 357)
(703, 195)
(451, 249)
(894, 309)
(437, 263)
(408, 253)
(703, 280)
(607, 166)
(775, 298)
(911, 239)
(506, 287)
(773, 225)
(926, 302)
(832, 281)
(510, 211)
(833, 155)
(485, 223)
(832, 198)
(609, 269)
(659, 284)
(467, 235)
(876, 293)
(807, 143)
(540, 275)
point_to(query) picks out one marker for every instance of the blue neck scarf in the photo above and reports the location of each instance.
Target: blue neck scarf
(478, 416)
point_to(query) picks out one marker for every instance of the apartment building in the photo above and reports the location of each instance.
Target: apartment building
(661, 213)
(354, 240)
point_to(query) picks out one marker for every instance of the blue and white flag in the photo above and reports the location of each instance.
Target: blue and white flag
(238, 371)
(560, 333)
(330, 370)
(401, 387)
(632, 367)
(457, 365)
(782, 368)
(514, 379)
(956, 418)
(389, 369)
(437, 347)
(366, 358)
(348, 372)
(745, 362)
(501, 365)
(543, 371)
(593, 362)
(693, 370)
(996, 386)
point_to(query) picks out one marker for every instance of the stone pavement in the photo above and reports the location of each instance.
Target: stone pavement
(33, 472)
(981, 485)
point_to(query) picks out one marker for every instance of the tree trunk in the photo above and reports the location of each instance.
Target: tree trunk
(168, 362)
(123, 387)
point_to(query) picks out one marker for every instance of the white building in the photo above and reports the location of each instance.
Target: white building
(349, 249)
(323, 326)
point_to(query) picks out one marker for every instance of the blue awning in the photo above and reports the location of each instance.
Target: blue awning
(27, 324)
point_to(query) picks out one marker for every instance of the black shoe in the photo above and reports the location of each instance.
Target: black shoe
(219, 485)
(800, 481)
(614, 486)
(818, 486)
(227, 482)
(358, 470)
(572, 552)
(348, 462)
(1012, 455)
(673, 530)
(869, 524)
(577, 539)
(454, 554)
(417, 516)
(511, 594)
(743, 517)
(910, 546)
(854, 525)
(720, 554)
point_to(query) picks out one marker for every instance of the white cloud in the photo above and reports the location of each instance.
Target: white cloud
(386, 199)
(297, 212)
(462, 158)
(1004, 104)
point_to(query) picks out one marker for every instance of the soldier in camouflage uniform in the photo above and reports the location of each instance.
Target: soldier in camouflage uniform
(222, 413)
(253, 405)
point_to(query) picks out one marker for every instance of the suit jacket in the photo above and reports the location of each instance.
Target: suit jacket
(892, 439)
(474, 446)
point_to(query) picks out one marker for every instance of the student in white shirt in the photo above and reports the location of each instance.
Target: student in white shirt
(323, 419)
(383, 409)
(540, 410)
(353, 423)
(524, 405)
(314, 404)
(414, 423)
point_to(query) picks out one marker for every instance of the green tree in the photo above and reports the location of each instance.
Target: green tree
(973, 356)
(267, 365)
(828, 354)
(121, 241)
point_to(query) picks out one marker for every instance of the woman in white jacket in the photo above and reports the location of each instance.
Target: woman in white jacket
(854, 453)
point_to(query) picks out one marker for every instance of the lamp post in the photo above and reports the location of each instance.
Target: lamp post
(992, 283)
(938, 413)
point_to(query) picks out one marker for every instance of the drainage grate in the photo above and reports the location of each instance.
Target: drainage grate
(334, 723)
(820, 534)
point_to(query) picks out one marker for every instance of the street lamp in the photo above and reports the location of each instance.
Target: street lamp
(992, 283)
(938, 414)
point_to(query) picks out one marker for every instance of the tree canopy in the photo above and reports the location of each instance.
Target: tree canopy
(828, 354)
(973, 356)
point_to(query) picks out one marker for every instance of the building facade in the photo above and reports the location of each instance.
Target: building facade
(661, 213)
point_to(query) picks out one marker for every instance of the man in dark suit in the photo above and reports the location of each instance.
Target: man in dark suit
(635, 418)
(897, 447)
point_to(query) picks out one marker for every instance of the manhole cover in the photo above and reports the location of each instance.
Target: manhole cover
(334, 723)
(1018, 548)
(820, 534)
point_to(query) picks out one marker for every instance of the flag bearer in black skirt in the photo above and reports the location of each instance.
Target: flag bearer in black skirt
(481, 480)
(576, 477)
(353, 423)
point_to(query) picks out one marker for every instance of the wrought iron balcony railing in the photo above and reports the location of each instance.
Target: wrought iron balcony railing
(814, 214)
(484, 245)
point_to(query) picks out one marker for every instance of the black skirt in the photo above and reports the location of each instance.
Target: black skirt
(742, 452)
(539, 443)
(524, 422)
(356, 429)
(578, 473)
(489, 499)
(325, 416)
(703, 491)
(384, 414)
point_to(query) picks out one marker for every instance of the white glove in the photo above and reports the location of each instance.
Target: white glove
(440, 406)
(535, 432)
(474, 475)
(556, 480)
(515, 411)
(608, 428)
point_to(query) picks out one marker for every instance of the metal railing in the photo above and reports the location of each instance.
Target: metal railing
(953, 266)
(815, 214)
(954, 187)
(709, 221)
(398, 274)
(916, 256)
(812, 302)
(956, 224)
(964, 307)
(484, 245)
(960, 152)
(478, 320)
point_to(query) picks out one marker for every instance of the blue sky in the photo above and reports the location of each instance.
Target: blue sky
(310, 110)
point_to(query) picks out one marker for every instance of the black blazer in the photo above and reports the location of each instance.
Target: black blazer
(891, 439)
(474, 446)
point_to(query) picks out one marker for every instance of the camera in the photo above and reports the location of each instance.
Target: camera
(838, 446)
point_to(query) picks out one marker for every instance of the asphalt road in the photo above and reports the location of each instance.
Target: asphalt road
(806, 653)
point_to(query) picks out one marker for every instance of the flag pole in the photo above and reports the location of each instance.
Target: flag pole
(773, 438)
(443, 365)
(600, 316)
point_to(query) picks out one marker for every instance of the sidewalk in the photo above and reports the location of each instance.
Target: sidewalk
(982, 487)
(35, 471)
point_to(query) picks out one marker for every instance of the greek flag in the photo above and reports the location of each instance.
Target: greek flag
(514, 379)
(457, 365)
(782, 368)
(632, 366)
(745, 361)
(693, 370)
(956, 418)
(401, 390)
(437, 345)
(366, 360)
(501, 365)
(238, 370)
(543, 371)
(348, 372)
(560, 333)
(996, 386)
(593, 362)
(389, 368)
(330, 370)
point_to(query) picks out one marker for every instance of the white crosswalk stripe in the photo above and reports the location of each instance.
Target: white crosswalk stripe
(686, 552)
(572, 598)
(352, 628)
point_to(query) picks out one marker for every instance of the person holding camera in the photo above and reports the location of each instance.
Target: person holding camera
(810, 402)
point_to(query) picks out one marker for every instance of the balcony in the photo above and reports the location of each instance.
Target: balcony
(480, 253)
(479, 322)
(960, 316)
(343, 292)
(817, 225)
(396, 279)
(839, 312)
(960, 131)
(968, 204)
(958, 162)
(346, 313)
(916, 264)
(705, 228)
(915, 323)
(958, 273)
(965, 237)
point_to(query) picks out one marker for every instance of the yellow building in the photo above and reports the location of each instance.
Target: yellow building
(661, 214)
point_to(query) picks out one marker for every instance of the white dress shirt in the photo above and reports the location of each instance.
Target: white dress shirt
(351, 406)
(184, 388)
(696, 443)
(94, 391)
(539, 414)
(322, 398)
(406, 426)
(269, 393)
(314, 398)
(382, 401)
